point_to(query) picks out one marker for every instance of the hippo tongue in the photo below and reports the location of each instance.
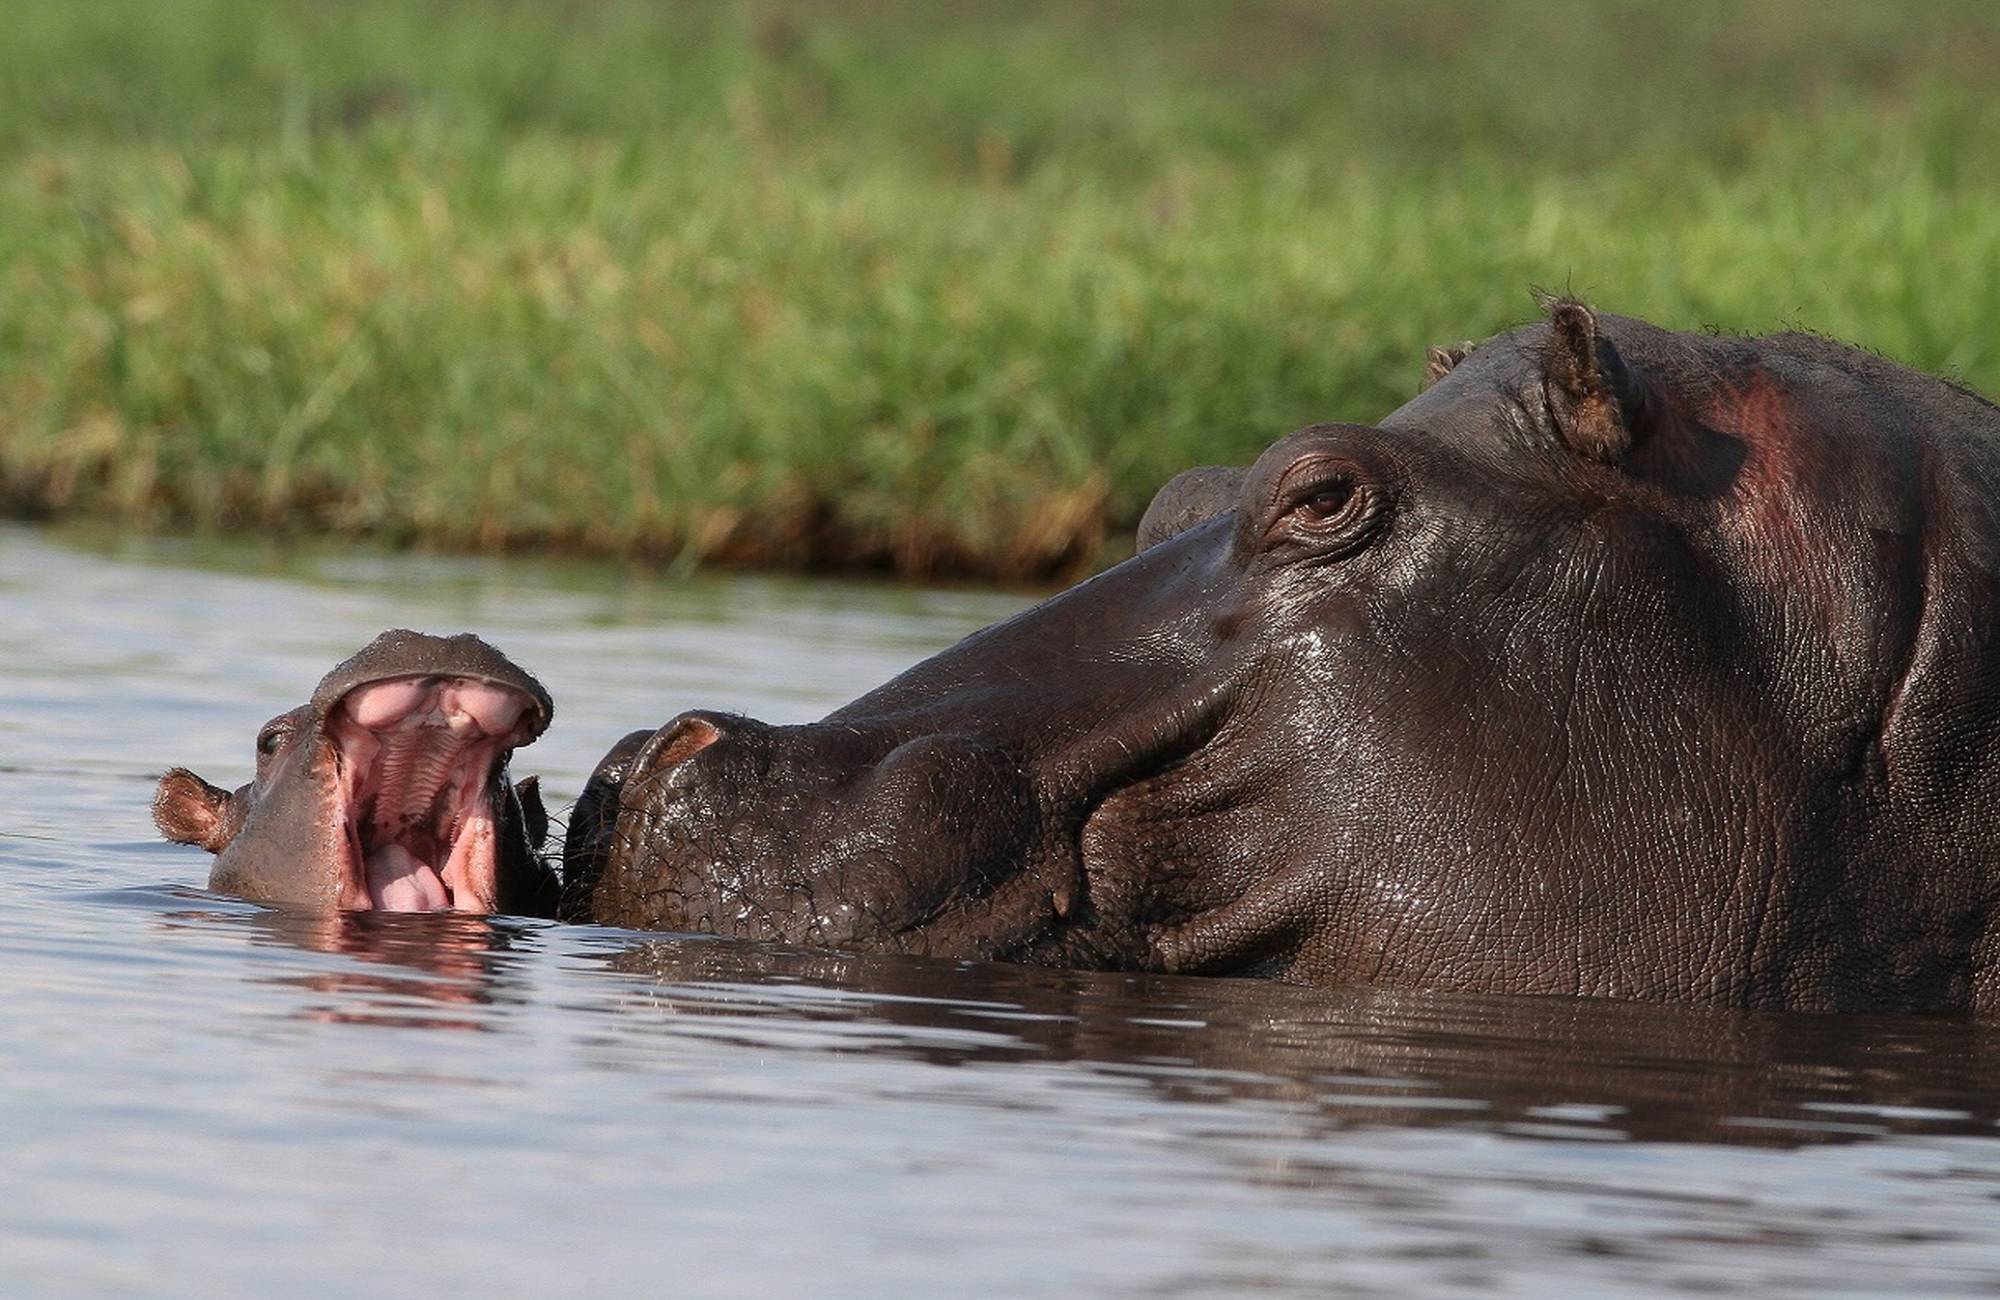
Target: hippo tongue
(399, 882)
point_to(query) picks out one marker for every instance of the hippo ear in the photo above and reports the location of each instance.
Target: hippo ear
(1439, 362)
(188, 810)
(1595, 397)
(1191, 497)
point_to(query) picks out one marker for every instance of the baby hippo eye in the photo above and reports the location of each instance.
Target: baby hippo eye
(268, 742)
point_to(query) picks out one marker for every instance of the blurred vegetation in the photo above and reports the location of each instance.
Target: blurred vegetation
(931, 286)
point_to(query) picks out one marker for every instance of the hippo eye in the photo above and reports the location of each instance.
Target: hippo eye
(1323, 507)
(1326, 503)
(268, 742)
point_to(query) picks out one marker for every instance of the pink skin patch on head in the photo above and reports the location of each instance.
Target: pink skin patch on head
(1771, 522)
(417, 756)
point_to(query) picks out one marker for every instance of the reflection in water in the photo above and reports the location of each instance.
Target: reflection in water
(434, 961)
(1207, 1136)
(1531, 1067)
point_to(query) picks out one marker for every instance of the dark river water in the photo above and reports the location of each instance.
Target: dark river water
(199, 1097)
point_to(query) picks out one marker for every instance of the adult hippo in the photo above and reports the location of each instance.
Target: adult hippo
(386, 790)
(1619, 662)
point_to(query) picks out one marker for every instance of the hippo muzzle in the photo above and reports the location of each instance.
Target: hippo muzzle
(872, 836)
(971, 807)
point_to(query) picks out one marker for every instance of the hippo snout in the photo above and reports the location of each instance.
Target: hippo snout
(828, 833)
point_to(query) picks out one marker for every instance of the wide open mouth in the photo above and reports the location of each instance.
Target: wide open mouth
(417, 757)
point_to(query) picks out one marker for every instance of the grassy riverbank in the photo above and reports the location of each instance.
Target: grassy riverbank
(855, 283)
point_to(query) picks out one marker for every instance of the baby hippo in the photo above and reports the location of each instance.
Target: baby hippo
(386, 791)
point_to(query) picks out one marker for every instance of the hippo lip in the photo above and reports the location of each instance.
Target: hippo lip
(415, 758)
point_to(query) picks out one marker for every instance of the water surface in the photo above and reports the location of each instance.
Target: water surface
(198, 1097)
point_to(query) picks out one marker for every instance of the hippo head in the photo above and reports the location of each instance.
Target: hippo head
(386, 790)
(1593, 668)
(1194, 759)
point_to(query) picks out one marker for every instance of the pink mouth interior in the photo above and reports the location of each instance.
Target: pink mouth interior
(416, 762)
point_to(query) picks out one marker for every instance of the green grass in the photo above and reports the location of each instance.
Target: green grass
(886, 283)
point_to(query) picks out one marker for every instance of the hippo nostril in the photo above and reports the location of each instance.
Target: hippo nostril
(683, 738)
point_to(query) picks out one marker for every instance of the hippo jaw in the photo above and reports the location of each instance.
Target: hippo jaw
(387, 792)
(414, 760)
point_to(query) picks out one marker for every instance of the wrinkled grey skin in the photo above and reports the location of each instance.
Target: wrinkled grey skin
(279, 839)
(1619, 662)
